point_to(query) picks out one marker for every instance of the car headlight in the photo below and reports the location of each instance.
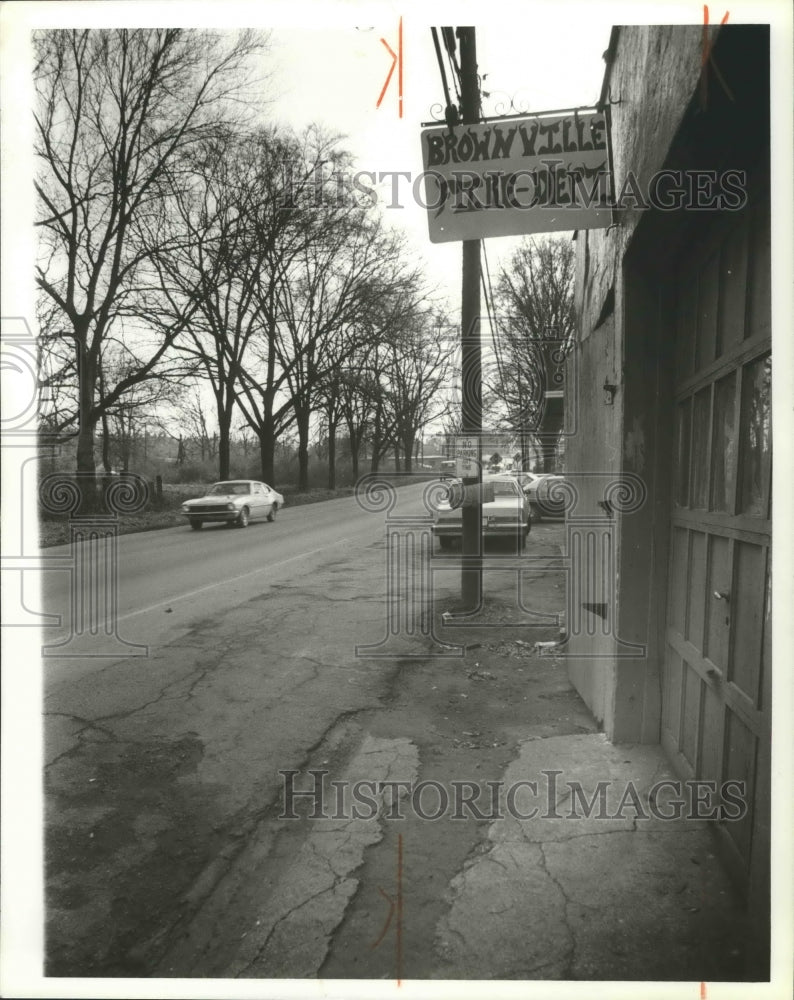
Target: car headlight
(230, 506)
(185, 508)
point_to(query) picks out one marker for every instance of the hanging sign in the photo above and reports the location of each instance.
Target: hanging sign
(506, 177)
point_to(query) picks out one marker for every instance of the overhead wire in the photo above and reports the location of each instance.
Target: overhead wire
(450, 45)
(440, 60)
(490, 306)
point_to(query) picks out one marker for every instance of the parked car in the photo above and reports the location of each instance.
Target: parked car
(525, 479)
(236, 501)
(537, 486)
(506, 516)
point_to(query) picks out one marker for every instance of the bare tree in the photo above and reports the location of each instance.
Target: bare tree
(231, 215)
(328, 299)
(117, 111)
(418, 371)
(301, 221)
(534, 307)
(124, 421)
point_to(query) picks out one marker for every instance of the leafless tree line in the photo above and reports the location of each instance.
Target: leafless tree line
(182, 239)
(534, 334)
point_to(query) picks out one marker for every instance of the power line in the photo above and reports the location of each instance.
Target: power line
(441, 67)
(488, 294)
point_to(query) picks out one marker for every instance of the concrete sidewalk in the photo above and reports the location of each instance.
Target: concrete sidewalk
(632, 891)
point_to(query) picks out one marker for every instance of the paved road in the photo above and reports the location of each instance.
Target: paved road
(161, 768)
(172, 580)
(165, 851)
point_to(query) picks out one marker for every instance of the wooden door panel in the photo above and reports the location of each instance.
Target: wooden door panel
(690, 714)
(715, 691)
(718, 607)
(701, 433)
(711, 736)
(748, 616)
(740, 753)
(679, 570)
(723, 446)
(756, 438)
(696, 588)
(671, 708)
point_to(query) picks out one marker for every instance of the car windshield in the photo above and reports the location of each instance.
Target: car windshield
(505, 488)
(229, 489)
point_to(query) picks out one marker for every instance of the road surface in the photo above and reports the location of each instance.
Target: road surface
(172, 580)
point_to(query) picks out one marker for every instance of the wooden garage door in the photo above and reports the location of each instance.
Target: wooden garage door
(716, 693)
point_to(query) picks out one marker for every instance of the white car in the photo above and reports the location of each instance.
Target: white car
(507, 515)
(536, 485)
(234, 501)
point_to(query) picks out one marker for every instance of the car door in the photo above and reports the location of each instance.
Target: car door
(258, 501)
(268, 498)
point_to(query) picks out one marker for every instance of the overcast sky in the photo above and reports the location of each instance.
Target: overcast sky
(327, 65)
(335, 75)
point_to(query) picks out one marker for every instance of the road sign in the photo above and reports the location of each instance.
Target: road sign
(467, 456)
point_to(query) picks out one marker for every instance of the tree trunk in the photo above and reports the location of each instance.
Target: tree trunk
(267, 453)
(85, 435)
(105, 444)
(302, 423)
(376, 452)
(525, 454)
(224, 445)
(86, 466)
(105, 427)
(408, 447)
(331, 455)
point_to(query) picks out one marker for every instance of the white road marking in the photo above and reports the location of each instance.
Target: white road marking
(233, 579)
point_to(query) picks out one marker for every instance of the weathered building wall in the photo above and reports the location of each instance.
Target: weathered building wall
(674, 312)
(648, 84)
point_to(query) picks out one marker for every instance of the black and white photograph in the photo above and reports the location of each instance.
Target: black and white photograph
(388, 499)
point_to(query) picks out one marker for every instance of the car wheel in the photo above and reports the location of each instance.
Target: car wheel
(536, 512)
(195, 523)
(273, 511)
(243, 518)
(445, 543)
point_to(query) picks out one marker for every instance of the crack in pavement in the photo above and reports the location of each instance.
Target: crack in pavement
(570, 955)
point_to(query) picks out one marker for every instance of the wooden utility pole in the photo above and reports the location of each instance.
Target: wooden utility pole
(471, 374)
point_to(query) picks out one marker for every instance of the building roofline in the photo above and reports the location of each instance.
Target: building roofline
(609, 58)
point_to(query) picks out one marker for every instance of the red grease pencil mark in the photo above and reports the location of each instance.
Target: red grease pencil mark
(396, 60)
(707, 58)
(399, 908)
(386, 926)
(703, 985)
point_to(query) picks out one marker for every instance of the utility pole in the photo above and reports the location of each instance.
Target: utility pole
(471, 361)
